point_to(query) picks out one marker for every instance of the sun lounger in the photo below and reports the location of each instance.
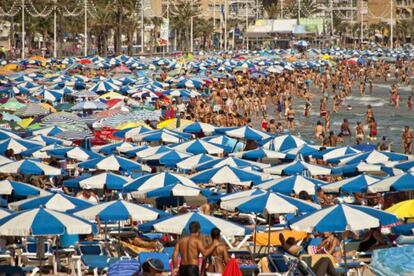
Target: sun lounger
(30, 256)
(405, 240)
(284, 265)
(9, 270)
(94, 257)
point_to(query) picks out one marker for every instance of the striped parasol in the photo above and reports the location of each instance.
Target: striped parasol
(64, 119)
(32, 109)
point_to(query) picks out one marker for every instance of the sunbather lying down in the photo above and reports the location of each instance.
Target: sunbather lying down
(155, 245)
(138, 244)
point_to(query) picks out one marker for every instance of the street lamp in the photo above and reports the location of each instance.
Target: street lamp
(142, 25)
(23, 32)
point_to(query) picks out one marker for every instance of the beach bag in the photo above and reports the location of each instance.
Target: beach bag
(124, 267)
(232, 268)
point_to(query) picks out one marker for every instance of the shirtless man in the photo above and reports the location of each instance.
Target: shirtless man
(219, 258)
(407, 138)
(345, 129)
(189, 248)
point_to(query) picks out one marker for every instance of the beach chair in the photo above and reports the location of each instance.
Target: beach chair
(403, 240)
(30, 255)
(9, 270)
(94, 257)
(66, 252)
(163, 257)
(6, 252)
(286, 265)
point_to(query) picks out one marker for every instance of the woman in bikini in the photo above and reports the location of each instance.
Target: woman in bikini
(218, 259)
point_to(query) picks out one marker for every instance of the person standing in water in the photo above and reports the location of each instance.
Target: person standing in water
(345, 129)
(359, 131)
(407, 139)
(291, 118)
(372, 129)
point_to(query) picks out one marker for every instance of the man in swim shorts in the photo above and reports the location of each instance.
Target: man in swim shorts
(189, 248)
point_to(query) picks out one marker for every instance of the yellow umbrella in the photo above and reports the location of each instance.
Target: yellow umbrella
(403, 209)
(11, 67)
(173, 123)
(25, 122)
(132, 125)
(291, 58)
(326, 57)
(5, 72)
(112, 95)
(48, 106)
(38, 58)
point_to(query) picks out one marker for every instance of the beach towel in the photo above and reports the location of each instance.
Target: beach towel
(124, 268)
(262, 238)
(232, 268)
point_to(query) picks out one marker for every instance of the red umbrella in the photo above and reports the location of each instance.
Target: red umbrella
(349, 62)
(232, 268)
(104, 133)
(85, 61)
(110, 103)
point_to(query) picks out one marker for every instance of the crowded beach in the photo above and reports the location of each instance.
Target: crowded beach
(270, 162)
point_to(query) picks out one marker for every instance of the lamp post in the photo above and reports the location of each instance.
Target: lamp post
(23, 32)
(54, 31)
(391, 26)
(85, 7)
(247, 24)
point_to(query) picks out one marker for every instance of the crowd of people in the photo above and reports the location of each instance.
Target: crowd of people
(270, 102)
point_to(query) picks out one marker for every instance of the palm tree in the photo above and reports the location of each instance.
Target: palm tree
(203, 29)
(182, 13)
(272, 10)
(355, 29)
(307, 8)
(342, 30)
(101, 25)
(155, 32)
(403, 29)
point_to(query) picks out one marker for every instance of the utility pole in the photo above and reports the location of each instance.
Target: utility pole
(168, 19)
(225, 23)
(54, 31)
(85, 7)
(392, 26)
(281, 9)
(332, 25)
(191, 33)
(214, 20)
(362, 20)
(221, 23)
(247, 24)
(23, 32)
(142, 26)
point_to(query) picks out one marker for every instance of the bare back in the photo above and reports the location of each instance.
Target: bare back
(189, 250)
(219, 259)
